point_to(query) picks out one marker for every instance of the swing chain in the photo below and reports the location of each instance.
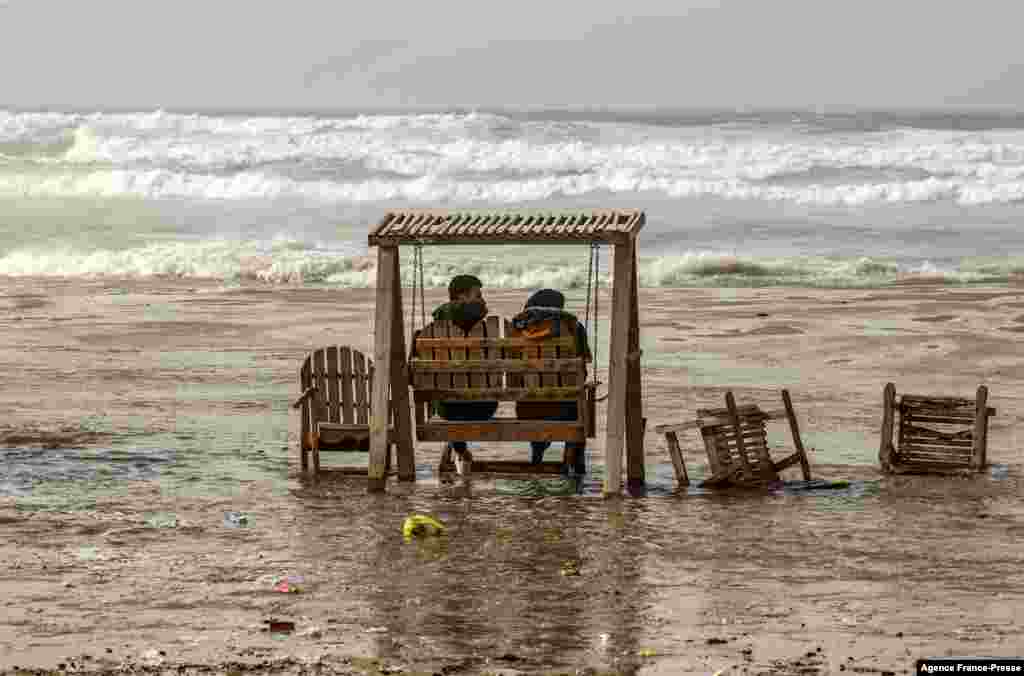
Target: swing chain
(590, 276)
(417, 281)
(412, 312)
(593, 271)
(423, 302)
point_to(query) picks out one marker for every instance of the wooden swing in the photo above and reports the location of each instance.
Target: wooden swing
(536, 378)
(489, 366)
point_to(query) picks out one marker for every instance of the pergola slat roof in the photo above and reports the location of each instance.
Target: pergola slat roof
(506, 226)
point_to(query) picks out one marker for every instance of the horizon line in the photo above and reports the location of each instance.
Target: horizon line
(584, 109)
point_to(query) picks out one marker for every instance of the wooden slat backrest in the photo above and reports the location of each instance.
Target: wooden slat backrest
(333, 400)
(567, 329)
(363, 393)
(710, 440)
(343, 384)
(305, 382)
(721, 439)
(755, 442)
(544, 350)
(460, 380)
(476, 380)
(489, 328)
(936, 429)
(424, 380)
(346, 384)
(547, 351)
(320, 381)
(430, 346)
(513, 379)
(493, 329)
(443, 329)
(535, 379)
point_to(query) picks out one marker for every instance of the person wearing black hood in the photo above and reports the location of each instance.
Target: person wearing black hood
(548, 304)
(465, 308)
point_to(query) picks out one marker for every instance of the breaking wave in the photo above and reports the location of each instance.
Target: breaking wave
(164, 184)
(291, 262)
(483, 157)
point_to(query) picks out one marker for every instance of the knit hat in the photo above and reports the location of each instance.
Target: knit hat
(546, 298)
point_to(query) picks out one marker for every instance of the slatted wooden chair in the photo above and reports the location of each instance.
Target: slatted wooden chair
(736, 441)
(447, 364)
(336, 383)
(937, 435)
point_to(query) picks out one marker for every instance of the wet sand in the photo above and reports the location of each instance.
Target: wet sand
(181, 390)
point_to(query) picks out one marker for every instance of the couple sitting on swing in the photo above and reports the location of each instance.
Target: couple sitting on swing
(465, 308)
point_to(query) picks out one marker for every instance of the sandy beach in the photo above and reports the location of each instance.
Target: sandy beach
(181, 389)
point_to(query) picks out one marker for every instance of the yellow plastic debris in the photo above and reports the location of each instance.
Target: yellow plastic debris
(570, 568)
(647, 652)
(421, 524)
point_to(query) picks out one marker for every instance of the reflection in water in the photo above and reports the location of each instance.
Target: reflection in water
(493, 586)
(617, 599)
(533, 581)
(569, 581)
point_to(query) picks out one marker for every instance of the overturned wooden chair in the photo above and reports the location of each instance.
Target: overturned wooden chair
(447, 364)
(937, 435)
(336, 383)
(735, 439)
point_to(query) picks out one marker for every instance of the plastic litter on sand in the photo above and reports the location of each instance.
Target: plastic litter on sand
(422, 525)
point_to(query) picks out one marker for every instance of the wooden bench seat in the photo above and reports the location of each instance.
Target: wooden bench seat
(450, 365)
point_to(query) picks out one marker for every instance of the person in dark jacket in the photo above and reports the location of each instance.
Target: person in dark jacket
(549, 304)
(465, 307)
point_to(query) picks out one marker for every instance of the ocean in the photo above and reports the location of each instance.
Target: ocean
(834, 200)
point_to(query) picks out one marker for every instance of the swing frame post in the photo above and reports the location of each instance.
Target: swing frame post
(625, 421)
(625, 404)
(635, 422)
(389, 356)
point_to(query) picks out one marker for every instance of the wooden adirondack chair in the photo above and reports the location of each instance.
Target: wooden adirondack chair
(940, 435)
(736, 441)
(336, 383)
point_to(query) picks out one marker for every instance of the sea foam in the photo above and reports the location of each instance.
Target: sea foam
(291, 262)
(487, 158)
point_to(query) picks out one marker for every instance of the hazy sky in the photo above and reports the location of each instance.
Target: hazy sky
(682, 53)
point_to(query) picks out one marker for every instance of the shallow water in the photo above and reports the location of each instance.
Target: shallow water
(553, 582)
(142, 413)
(659, 572)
